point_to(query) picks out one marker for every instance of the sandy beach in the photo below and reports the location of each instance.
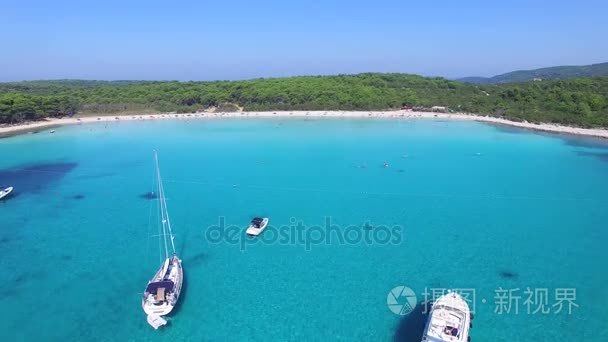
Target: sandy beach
(9, 130)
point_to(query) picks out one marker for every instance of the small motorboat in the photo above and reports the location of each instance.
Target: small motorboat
(257, 226)
(449, 320)
(6, 192)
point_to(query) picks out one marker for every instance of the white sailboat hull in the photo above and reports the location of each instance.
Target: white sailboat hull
(172, 272)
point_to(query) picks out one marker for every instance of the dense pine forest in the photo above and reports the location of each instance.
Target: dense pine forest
(580, 102)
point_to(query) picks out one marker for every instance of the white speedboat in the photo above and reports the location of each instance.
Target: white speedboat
(449, 320)
(6, 192)
(163, 290)
(257, 226)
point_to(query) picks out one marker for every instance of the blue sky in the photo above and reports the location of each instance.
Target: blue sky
(241, 39)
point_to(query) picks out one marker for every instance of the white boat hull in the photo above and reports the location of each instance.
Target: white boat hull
(6, 192)
(162, 310)
(254, 231)
(156, 321)
(449, 320)
(151, 305)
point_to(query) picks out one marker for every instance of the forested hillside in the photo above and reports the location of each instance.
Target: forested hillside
(551, 73)
(582, 102)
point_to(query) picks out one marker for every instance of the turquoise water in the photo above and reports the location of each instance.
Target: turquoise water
(479, 206)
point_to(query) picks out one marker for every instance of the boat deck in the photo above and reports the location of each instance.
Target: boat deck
(449, 320)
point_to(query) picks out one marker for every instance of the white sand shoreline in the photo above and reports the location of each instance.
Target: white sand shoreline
(405, 115)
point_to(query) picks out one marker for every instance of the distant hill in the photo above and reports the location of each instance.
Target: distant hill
(552, 73)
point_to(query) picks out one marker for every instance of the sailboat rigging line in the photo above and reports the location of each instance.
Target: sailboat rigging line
(150, 221)
(161, 203)
(163, 290)
(166, 222)
(158, 227)
(159, 235)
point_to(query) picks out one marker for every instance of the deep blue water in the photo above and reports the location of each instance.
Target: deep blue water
(478, 206)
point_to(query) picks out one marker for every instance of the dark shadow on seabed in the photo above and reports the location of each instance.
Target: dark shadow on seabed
(603, 156)
(600, 145)
(182, 297)
(569, 139)
(149, 195)
(184, 291)
(586, 142)
(34, 177)
(411, 326)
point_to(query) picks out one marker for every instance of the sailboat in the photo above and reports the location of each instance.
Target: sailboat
(162, 292)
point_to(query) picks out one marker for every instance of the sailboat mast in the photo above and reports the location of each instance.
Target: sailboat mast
(162, 204)
(164, 211)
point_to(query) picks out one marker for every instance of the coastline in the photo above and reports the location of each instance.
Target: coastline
(6, 131)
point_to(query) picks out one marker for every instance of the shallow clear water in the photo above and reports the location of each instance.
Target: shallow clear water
(480, 207)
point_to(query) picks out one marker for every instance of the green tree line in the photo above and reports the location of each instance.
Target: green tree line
(582, 102)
